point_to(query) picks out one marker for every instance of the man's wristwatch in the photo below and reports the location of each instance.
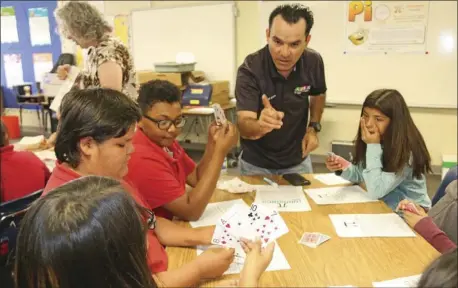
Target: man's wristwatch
(316, 126)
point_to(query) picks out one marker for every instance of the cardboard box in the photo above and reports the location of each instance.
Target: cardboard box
(220, 92)
(221, 98)
(179, 79)
(220, 87)
(174, 78)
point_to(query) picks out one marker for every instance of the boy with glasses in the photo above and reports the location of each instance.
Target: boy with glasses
(160, 168)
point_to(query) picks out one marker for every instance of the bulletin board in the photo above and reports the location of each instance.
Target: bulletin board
(426, 79)
(23, 47)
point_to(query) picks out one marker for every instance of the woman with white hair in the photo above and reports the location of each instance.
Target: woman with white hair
(109, 63)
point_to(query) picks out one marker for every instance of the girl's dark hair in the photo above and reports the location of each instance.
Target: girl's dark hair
(86, 233)
(401, 140)
(99, 113)
(442, 272)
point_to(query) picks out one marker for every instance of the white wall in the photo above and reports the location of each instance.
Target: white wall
(438, 126)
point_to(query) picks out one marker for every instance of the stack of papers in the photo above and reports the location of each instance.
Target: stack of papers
(331, 179)
(282, 198)
(370, 225)
(411, 281)
(235, 185)
(278, 262)
(46, 155)
(339, 195)
(31, 143)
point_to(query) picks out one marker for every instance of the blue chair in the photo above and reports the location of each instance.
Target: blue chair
(11, 214)
(451, 176)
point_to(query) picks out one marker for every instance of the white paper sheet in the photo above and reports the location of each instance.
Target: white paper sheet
(51, 84)
(48, 157)
(65, 87)
(9, 25)
(13, 69)
(282, 198)
(411, 281)
(42, 64)
(370, 225)
(39, 26)
(214, 211)
(278, 262)
(339, 195)
(331, 179)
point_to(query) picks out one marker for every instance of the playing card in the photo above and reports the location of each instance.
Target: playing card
(331, 154)
(220, 117)
(267, 223)
(222, 237)
(236, 222)
(314, 239)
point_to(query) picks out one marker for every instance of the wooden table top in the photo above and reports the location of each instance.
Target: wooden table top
(339, 261)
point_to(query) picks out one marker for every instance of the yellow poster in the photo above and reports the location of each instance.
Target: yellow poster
(121, 28)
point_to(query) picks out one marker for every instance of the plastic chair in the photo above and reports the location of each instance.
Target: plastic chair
(11, 214)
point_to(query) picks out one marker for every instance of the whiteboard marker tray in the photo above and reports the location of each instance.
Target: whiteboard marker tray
(173, 67)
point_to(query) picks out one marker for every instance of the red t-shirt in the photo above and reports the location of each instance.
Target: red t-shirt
(159, 176)
(22, 173)
(157, 257)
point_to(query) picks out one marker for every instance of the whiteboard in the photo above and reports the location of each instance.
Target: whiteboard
(424, 80)
(207, 31)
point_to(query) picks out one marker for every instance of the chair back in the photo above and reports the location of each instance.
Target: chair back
(64, 58)
(11, 214)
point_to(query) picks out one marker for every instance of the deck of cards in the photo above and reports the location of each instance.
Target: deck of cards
(314, 239)
(248, 222)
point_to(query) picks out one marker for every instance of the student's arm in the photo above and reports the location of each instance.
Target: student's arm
(378, 182)
(436, 237)
(187, 275)
(171, 234)
(210, 264)
(190, 206)
(199, 171)
(353, 174)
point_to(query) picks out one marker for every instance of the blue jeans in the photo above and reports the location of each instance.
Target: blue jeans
(451, 176)
(248, 169)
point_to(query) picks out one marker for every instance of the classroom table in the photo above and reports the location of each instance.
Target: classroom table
(339, 261)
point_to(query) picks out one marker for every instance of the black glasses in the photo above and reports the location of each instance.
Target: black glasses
(149, 216)
(166, 124)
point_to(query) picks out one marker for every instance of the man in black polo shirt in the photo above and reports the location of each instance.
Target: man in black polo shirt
(272, 91)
